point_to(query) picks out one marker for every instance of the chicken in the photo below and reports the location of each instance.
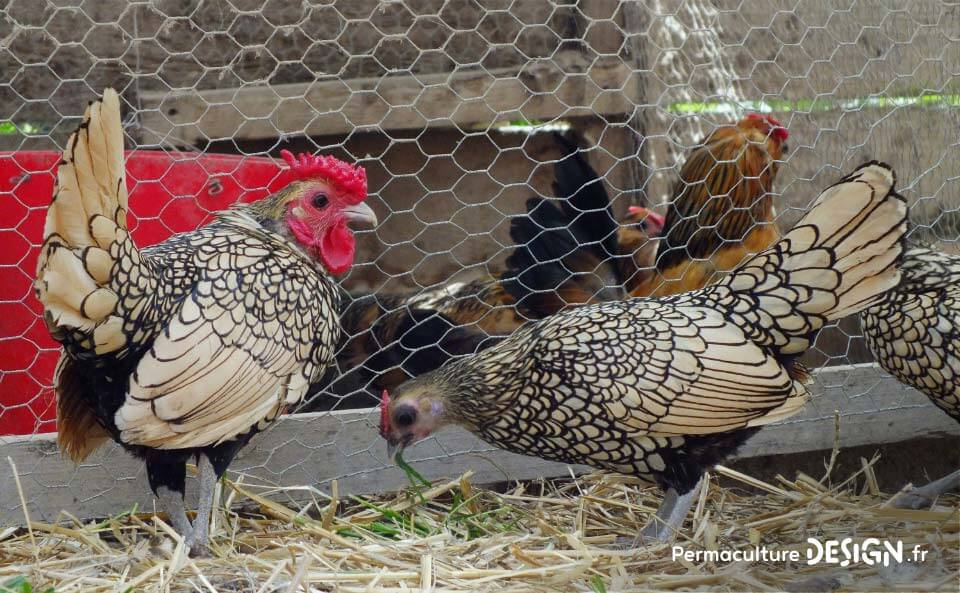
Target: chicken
(577, 252)
(722, 209)
(721, 212)
(636, 239)
(390, 338)
(914, 334)
(665, 388)
(188, 348)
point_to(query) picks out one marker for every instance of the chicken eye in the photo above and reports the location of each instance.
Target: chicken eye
(319, 201)
(405, 417)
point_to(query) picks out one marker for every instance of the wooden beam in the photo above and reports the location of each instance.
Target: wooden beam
(564, 86)
(318, 448)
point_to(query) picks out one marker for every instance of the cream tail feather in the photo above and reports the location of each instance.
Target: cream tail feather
(85, 231)
(839, 259)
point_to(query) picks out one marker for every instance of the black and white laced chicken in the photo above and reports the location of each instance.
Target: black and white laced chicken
(188, 348)
(914, 334)
(663, 389)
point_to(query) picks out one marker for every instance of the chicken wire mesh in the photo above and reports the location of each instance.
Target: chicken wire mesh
(447, 104)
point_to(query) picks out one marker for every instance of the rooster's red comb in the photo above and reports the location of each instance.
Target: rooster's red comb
(776, 128)
(384, 414)
(350, 179)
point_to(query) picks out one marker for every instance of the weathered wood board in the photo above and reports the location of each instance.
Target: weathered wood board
(566, 85)
(315, 449)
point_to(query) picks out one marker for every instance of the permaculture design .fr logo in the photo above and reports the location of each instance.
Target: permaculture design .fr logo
(844, 552)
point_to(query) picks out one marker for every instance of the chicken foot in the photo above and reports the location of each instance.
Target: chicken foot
(924, 496)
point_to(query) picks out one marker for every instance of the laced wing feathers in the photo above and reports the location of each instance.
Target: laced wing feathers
(241, 347)
(90, 277)
(836, 261)
(925, 269)
(90, 178)
(660, 370)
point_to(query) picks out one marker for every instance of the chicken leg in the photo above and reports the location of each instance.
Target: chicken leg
(669, 517)
(201, 523)
(924, 496)
(171, 502)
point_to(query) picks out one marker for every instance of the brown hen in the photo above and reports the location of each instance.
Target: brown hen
(722, 208)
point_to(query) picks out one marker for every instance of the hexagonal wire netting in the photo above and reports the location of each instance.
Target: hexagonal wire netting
(448, 105)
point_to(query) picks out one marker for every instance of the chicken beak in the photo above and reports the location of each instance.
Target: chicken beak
(360, 213)
(395, 449)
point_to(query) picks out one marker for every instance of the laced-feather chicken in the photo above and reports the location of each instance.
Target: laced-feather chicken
(914, 334)
(721, 211)
(188, 348)
(664, 388)
(390, 338)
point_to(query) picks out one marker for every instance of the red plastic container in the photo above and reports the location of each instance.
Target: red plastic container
(169, 193)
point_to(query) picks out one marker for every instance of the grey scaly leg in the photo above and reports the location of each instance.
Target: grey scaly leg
(924, 496)
(171, 502)
(669, 517)
(201, 524)
(659, 519)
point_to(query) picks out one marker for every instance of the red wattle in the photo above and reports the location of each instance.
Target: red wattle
(384, 415)
(337, 248)
(658, 219)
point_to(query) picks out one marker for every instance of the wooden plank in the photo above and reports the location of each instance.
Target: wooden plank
(317, 448)
(566, 85)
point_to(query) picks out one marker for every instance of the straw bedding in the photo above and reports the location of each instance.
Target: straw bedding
(564, 535)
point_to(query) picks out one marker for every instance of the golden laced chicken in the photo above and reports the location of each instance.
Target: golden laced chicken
(721, 211)
(663, 389)
(188, 348)
(390, 338)
(914, 334)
